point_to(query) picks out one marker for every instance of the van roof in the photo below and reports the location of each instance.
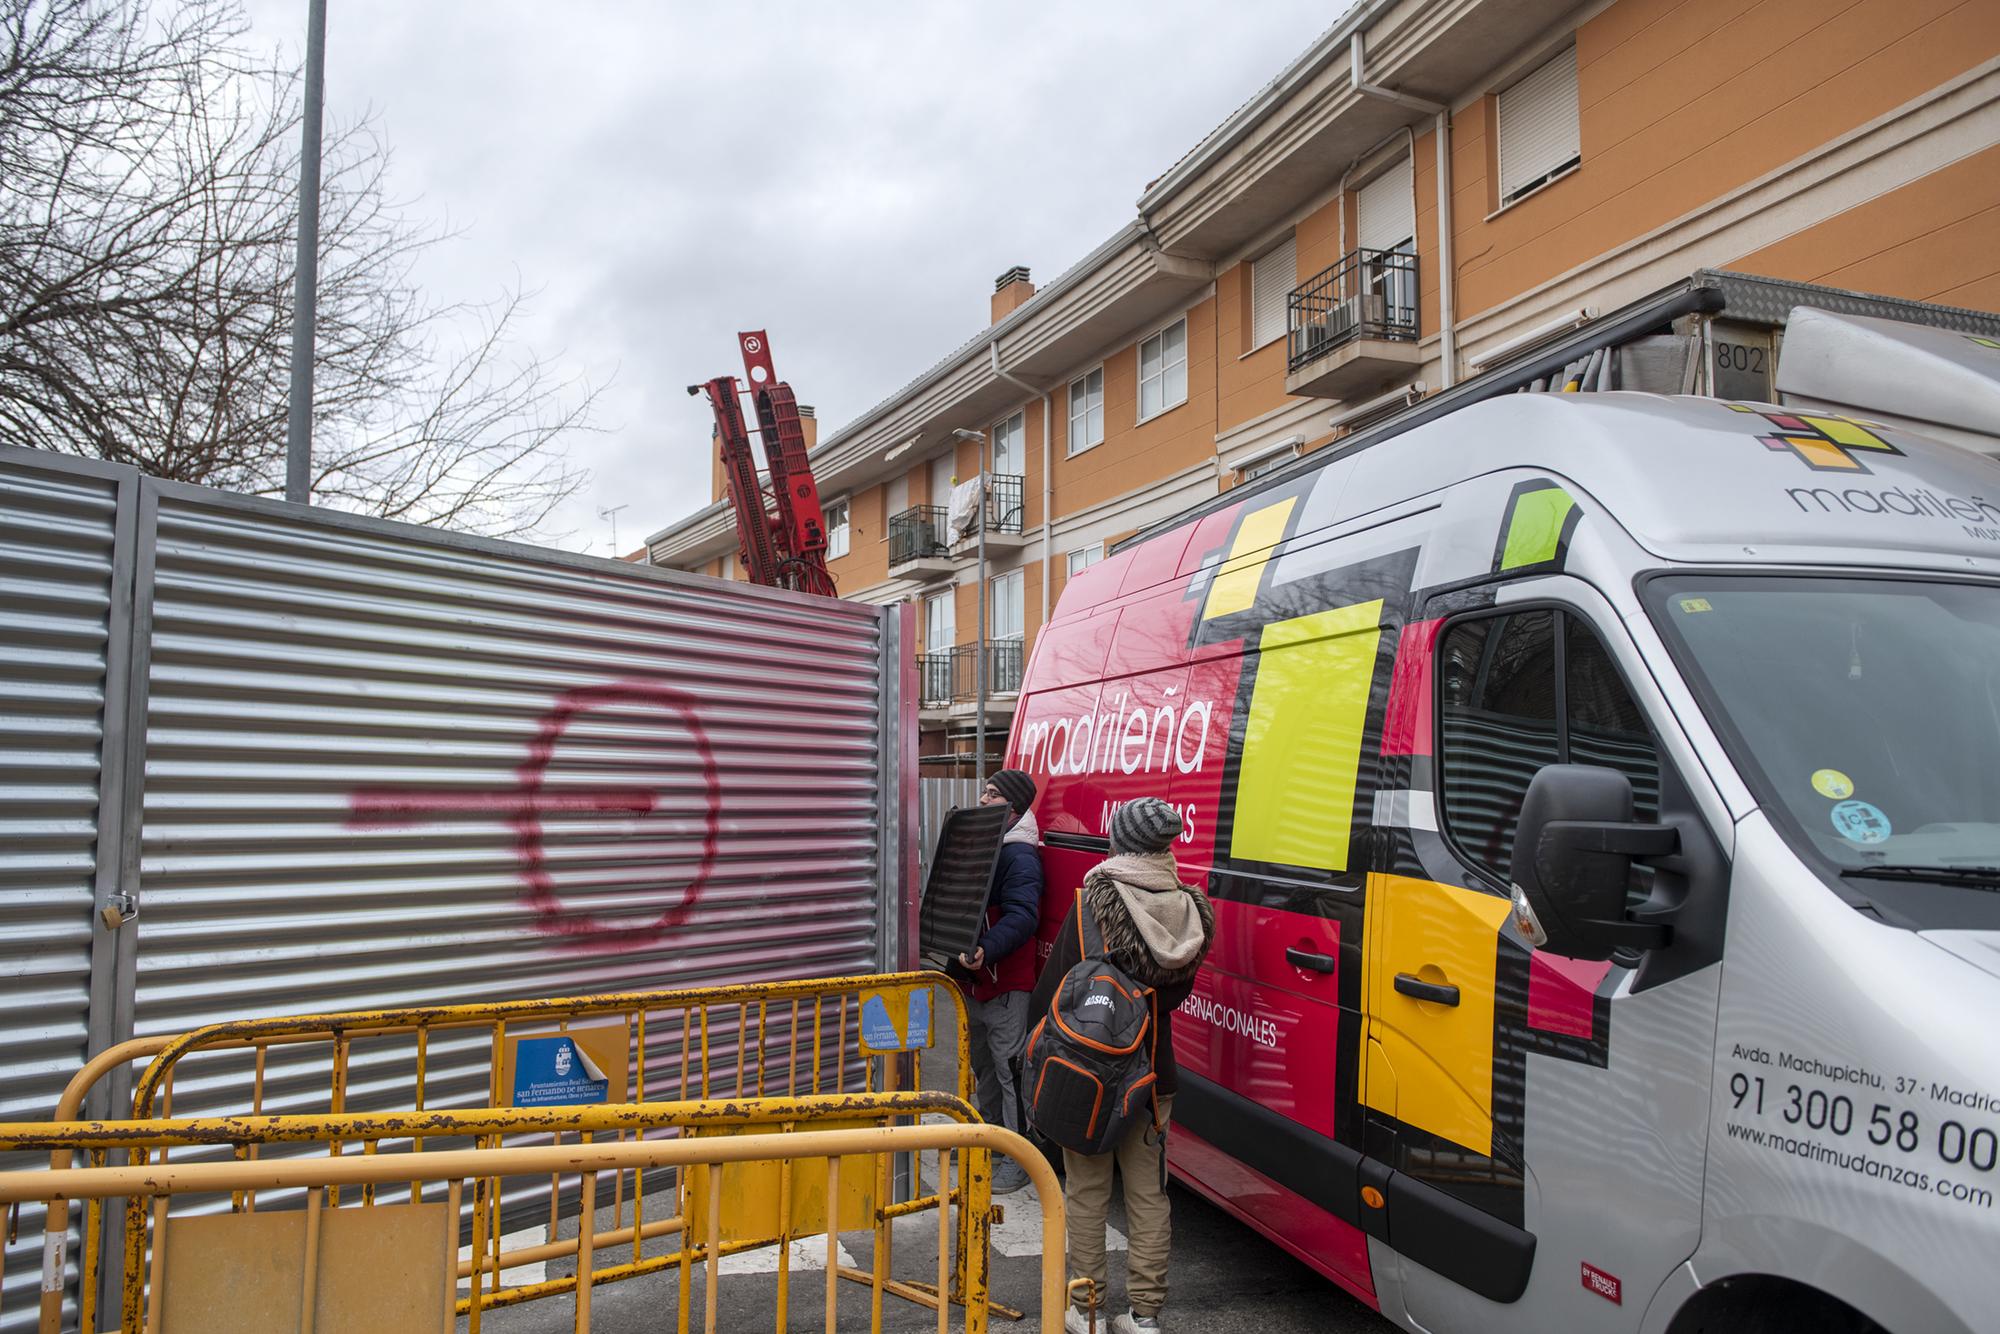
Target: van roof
(1703, 480)
(1690, 479)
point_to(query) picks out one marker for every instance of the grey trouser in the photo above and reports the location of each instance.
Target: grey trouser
(1148, 1218)
(996, 1029)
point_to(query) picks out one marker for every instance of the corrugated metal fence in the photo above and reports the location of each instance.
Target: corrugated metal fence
(340, 763)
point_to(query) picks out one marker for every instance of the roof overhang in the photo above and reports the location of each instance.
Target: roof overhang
(1294, 140)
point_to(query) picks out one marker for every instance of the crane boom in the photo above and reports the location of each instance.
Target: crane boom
(780, 527)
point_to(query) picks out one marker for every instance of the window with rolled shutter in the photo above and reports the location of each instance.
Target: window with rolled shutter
(1538, 130)
(1271, 280)
(1385, 213)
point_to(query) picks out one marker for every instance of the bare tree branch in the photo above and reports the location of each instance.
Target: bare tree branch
(147, 229)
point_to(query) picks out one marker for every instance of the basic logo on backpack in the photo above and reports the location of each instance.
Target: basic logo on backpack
(1089, 1062)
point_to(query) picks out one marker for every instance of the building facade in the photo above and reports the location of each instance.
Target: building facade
(1432, 183)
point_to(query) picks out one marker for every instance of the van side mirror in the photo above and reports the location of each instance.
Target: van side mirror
(1573, 854)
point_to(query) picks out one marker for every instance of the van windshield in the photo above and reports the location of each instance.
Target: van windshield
(1866, 710)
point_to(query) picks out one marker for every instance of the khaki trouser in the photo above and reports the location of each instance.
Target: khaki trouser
(1148, 1223)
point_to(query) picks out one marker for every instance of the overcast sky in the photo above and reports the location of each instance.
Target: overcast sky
(851, 177)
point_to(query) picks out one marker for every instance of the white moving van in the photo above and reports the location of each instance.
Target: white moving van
(1600, 798)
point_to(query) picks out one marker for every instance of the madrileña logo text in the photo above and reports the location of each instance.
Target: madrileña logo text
(1120, 737)
(1978, 516)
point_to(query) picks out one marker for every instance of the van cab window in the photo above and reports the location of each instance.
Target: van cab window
(1519, 691)
(1865, 712)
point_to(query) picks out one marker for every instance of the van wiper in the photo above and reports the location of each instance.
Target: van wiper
(1980, 877)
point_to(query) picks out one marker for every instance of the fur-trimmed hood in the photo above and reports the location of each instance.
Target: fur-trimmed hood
(1113, 888)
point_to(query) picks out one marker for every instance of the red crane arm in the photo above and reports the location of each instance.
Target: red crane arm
(782, 541)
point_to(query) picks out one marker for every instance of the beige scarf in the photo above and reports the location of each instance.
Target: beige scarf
(1164, 914)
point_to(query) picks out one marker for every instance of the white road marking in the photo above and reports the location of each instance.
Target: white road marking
(808, 1253)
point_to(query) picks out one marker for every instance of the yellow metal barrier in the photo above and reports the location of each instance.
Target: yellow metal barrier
(803, 1038)
(343, 1237)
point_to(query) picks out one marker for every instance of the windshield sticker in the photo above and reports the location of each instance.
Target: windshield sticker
(1860, 822)
(1832, 784)
(1692, 605)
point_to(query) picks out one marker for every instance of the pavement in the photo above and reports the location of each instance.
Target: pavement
(1225, 1279)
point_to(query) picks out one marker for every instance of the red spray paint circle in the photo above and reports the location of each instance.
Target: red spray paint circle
(551, 914)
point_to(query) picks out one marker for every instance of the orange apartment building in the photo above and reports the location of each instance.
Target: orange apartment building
(1289, 279)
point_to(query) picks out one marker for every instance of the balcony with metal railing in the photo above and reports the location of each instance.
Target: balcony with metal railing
(1003, 669)
(1005, 514)
(920, 542)
(934, 680)
(1352, 328)
(948, 682)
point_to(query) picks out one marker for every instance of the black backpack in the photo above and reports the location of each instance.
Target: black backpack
(1089, 1062)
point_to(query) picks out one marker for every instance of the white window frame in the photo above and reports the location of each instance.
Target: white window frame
(839, 536)
(1015, 428)
(948, 600)
(1264, 465)
(1015, 582)
(1164, 374)
(1091, 555)
(1091, 404)
(1287, 278)
(1513, 192)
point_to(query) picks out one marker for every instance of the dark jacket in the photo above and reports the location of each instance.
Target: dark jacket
(1013, 911)
(1124, 947)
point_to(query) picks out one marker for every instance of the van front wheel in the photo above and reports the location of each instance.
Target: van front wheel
(1764, 1304)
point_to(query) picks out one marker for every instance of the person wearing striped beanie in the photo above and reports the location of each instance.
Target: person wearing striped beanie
(1158, 930)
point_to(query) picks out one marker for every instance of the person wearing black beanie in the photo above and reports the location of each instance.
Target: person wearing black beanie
(1015, 788)
(1000, 972)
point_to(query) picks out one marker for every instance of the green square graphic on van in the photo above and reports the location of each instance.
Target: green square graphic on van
(1537, 520)
(1302, 744)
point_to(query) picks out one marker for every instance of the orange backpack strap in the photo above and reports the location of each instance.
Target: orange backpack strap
(1153, 1000)
(1086, 930)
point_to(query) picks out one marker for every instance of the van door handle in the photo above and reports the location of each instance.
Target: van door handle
(1319, 963)
(1412, 985)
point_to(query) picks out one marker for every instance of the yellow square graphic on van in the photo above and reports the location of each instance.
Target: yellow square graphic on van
(1235, 586)
(1844, 432)
(1302, 744)
(1441, 1055)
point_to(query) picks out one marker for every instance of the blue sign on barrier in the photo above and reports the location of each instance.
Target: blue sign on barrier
(883, 1029)
(556, 1072)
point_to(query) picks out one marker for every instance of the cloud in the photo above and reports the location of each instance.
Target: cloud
(849, 177)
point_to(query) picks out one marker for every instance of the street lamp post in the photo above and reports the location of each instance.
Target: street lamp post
(305, 283)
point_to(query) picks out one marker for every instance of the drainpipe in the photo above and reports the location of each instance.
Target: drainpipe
(1447, 275)
(1048, 503)
(1048, 476)
(1357, 59)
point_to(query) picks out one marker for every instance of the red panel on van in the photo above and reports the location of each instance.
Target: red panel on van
(1406, 725)
(1562, 993)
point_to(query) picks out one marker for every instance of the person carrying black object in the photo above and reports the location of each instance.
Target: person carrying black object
(1000, 971)
(1158, 930)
